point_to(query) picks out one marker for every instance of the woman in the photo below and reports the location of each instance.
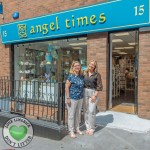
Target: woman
(93, 85)
(74, 97)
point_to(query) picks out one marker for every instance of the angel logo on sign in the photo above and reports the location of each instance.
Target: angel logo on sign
(22, 30)
(18, 132)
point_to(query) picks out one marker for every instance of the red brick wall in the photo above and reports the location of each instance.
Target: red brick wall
(32, 8)
(5, 60)
(144, 75)
(97, 50)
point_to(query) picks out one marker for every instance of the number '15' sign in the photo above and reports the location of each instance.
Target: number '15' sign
(139, 10)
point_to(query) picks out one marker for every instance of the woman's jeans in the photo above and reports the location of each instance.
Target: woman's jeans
(89, 109)
(74, 113)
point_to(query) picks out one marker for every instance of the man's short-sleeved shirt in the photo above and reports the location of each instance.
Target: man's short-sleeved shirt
(77, 86)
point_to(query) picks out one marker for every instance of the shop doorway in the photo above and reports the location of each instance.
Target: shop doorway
(123, 71)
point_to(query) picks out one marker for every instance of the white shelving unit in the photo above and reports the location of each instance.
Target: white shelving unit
(115, 81)
(119, 80)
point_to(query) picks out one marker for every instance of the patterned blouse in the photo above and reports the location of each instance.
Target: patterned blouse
(77, 86)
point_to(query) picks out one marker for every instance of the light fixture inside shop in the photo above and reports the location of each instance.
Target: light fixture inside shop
(64, 40)
(132, 43)
(54, 42)
(122, 34)
(128, 47)
(122, 53)
(82, 38)
(77, 47)
(119, 48)
(72, 39)
(116, 51)
(131, 47)
(77, 44)
(117, 40)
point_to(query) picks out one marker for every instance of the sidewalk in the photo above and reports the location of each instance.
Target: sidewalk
(108, 136)
(123, 121)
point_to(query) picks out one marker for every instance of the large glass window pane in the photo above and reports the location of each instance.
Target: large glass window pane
(49, 60)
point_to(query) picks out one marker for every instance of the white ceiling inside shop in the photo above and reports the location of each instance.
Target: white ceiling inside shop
(124, 43)
(67, 44)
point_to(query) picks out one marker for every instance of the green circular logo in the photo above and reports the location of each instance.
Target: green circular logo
(18, 132)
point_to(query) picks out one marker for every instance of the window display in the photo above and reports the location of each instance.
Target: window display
(49, 60)
(41, 66)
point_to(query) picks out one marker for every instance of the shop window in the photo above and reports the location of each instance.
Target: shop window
(48, 61)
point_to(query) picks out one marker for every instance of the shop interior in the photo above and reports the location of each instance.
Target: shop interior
(48, 60)
(124, 65)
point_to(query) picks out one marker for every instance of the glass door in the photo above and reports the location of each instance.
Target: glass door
(123, 71)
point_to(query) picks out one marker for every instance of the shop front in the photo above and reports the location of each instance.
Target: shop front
(43, 49)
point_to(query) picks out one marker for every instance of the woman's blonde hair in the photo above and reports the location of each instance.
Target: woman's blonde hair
(95, 69)
(72, 65)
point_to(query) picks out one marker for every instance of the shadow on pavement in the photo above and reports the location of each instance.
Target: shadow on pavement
(103, 121)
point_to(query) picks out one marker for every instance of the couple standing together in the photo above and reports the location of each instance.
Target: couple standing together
(82, 89)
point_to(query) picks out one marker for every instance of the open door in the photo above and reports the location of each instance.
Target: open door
(123, 71)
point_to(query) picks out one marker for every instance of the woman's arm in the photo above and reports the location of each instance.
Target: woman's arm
(67, 86)
(99, 87)
(99, 83)
(94, 96)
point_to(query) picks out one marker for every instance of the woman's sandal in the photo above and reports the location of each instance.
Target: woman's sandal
(72, 135)
(90, 132)
(87, 131)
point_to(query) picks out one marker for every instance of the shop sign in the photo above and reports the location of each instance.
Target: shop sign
(102, 17)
